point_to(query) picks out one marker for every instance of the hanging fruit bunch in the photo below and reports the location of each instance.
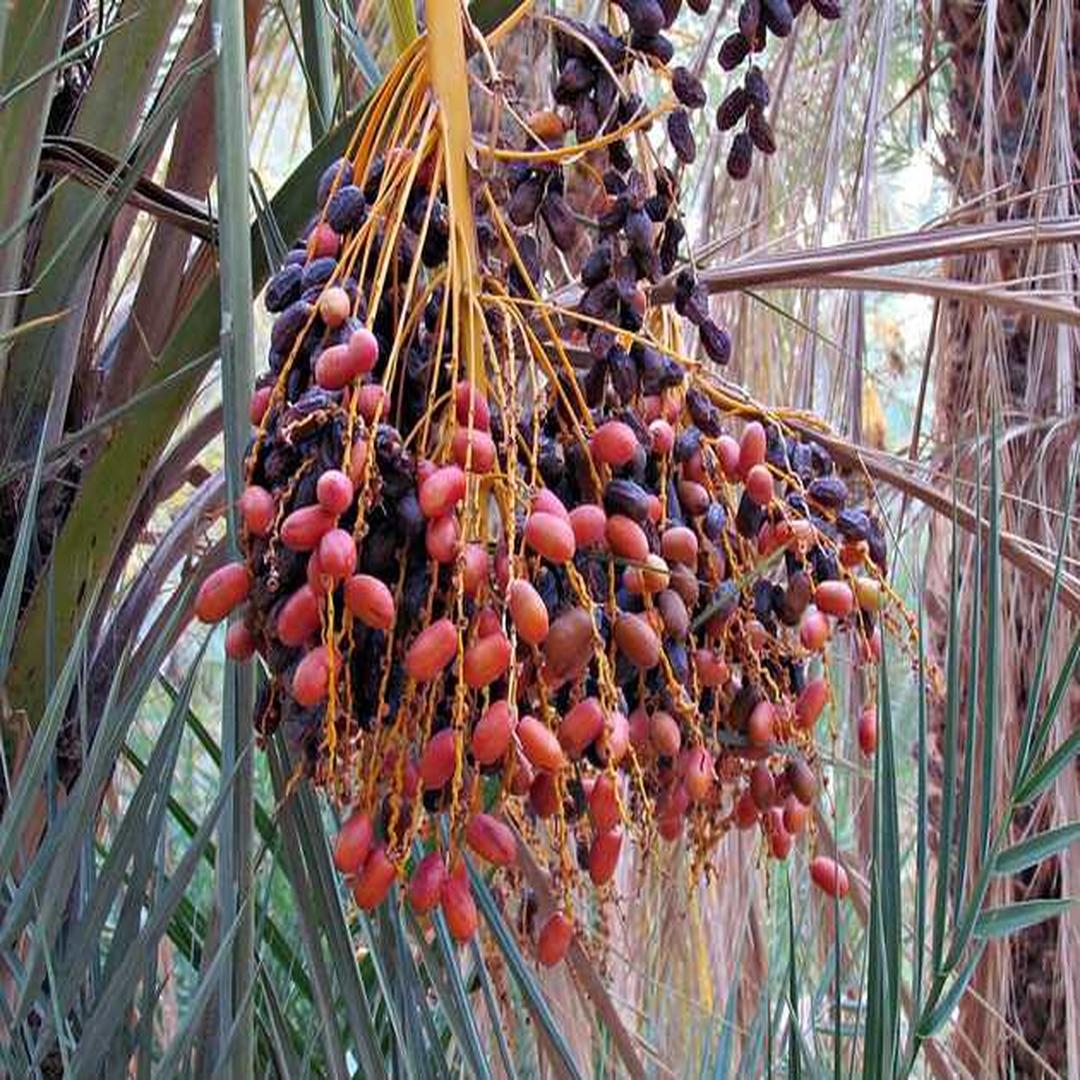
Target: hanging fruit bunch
(747, 103)
(521, 572)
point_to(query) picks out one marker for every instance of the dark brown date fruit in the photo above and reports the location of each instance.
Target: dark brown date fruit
(828, 9)
(682, 138)
(525, 201)
(699, 7)
(655, 45)
(671, 10)
(597, 266)
(829, 491)
(560, 221)
(645, 16)
(529, 253)
(639, 232)
(740, 156)
(347, 209)
(288, 324)
(777, 16)
(687, 88)
(283, 288)
(749, 18)
(734, 49)
(716, 342)
(339, 171)
(575, 78)
(691, 299)
(760, 131)
(730, 111)
(669, 244)
(619, 155)
(757, 89)
(628, 499)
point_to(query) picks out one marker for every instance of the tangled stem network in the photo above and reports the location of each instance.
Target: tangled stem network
(528, 573)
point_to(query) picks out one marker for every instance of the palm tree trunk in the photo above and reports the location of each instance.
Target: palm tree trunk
(1010, 150)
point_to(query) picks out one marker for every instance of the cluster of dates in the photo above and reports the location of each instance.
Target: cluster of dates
(748, 102)
(498, 606)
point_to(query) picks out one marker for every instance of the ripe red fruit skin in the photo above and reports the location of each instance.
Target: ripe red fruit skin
(311, 679)
(550, 536)
(712, 669)
(334, 491)
(486, 660)
(834, 598)
(442, 491)
(239, 642)
(298, 617)
(370, 600)
(604, 804)
(433, 648)
(528, 612)
(363, 349)
(555, 937)
(442, 538)
(615, 741)
(371, 402)
(438, 759)
(543, 796)
(759, 728)
(375, 879)
(604, 856)
(589, 523)
(759, 485)
(458, 906)
(813, 630)
(334, 306)
(581, 726)
(465, 394)
(698, 773)
(339, 365)
(260, 402)
(546, 501)
(323, 241)
(780, 839)
(745, 811)
(614, 443)
(810, 703)
(258, 509)
(353, 842)
(727, 450)
(626, 538)
(426, 883)
(664, 734)
(475, 448)
(223, 590)
(304, 528)
(751, 447)
(476, 569)
(539, 744)
(492, 840)
(492, 733)
(337, 554)
(662, 436)
(487, 623)
(680, 544)
(795, 815)
(866, 730)
(637, 641)
(829, 876)
(762, 786)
